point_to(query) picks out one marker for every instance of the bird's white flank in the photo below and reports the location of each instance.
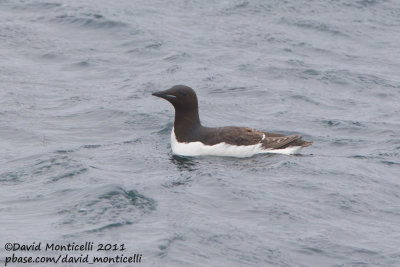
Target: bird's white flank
(224, 149)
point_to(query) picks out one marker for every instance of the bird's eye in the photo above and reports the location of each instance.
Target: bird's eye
(183, 93)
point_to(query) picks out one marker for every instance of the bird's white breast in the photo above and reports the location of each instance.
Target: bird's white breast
(223, 149)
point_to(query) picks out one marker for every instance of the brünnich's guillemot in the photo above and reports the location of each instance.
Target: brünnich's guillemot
(190, 138)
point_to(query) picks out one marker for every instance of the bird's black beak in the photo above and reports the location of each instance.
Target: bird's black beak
(164, 95)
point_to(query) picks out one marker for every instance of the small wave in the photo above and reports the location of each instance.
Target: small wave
(240, 89)
(305, 99)
(177, 57)
(52, 168)
(94, 21)
(106, 207)
(154, 45)
(311, 72)
(368, 3)
(227, 89)
(389, 154)
(285, 164)
(50, 56)
(144, 47)
(69, 174)
(38, 6)
(345, 202)
(90, 117)
(59, 167)
(12, 176)
(362, 80)
(313, 25)
(167, 243)
(252, 7)
(108, 226)
(358, 157)
(342, 124)
(45, 5)
(330, 123)
(77, 66)
(132, 141)
(382, 158)
(91, 146)
(312, 250)
(64, 151)
(167, 128)
(390, 163)
(135, 198)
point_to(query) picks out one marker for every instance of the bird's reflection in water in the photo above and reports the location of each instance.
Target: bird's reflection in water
(184, 163)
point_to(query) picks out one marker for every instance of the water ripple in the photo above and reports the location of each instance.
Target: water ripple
(92, 21)
(107, 206)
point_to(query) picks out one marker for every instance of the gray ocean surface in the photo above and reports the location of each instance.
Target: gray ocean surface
(84, 147)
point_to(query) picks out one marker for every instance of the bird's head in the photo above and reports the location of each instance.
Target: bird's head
(180, 96)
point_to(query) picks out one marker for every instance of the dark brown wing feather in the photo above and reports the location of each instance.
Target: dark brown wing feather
(279, 141)
(244, 136)
(239, 136)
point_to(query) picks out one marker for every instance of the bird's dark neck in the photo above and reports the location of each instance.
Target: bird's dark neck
(186, 122)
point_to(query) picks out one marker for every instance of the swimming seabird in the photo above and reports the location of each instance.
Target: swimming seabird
(190, 138)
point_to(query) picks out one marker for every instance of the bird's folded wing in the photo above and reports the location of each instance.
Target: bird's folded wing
(243, 136)
(277, 142)
(239, 136)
